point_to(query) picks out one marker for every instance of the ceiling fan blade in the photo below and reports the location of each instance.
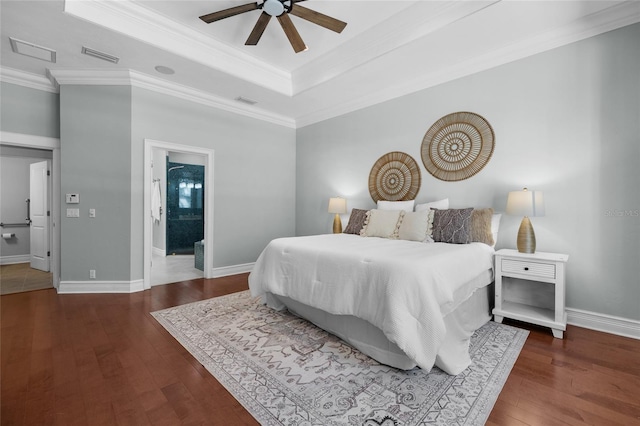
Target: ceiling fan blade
(292, 33)
(226, 13)
(318, 18)
(258, 29)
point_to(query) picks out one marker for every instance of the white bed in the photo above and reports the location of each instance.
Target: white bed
(404, 303)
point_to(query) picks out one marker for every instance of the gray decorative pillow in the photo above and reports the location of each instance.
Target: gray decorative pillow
(452, 226)
(356, 221)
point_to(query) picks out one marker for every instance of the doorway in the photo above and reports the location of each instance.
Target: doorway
(48, 206)
(157, 251)
(185, 207)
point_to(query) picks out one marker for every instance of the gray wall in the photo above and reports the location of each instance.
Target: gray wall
(254, 173)
(95, 142)
(566, 122)
(102, 131)
(29, 111)
(14, 190)
(102, 148)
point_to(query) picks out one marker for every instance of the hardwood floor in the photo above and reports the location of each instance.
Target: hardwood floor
(103, 360)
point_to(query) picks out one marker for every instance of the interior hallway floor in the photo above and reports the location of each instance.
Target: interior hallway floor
(19, 277)
(171, 269)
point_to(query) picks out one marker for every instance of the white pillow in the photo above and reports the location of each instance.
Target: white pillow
(495, 226)
(440, 205)
(414, 226)
(396, 205)
(382, 223)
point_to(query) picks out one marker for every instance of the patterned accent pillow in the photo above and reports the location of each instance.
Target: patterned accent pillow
(452, 226)
(481, 226)
(382, 223)
(356, 221)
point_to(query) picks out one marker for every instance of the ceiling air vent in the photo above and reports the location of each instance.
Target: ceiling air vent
(29, 49)
(100, 55)
(246, 100)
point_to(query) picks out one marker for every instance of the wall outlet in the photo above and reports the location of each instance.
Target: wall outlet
(92, 273)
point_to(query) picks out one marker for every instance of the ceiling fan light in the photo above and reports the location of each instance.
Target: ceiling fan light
(273, 7)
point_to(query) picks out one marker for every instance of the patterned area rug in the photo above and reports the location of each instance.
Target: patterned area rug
(286, 371)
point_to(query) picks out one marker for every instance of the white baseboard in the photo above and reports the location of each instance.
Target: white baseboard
(10, 260)
(602, 322)
(225, 271)
(155, 251)
(75, 287)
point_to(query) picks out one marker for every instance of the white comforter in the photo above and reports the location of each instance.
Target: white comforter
(404, 288)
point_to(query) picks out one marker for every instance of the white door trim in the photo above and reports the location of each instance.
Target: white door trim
(149, 146)
(51, 144)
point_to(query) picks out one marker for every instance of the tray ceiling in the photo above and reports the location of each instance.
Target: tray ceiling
(388, 49)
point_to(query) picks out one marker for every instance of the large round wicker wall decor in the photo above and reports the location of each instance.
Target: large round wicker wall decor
(457, 146)
(394, 177)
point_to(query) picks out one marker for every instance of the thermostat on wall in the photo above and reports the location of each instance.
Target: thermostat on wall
(73, 198)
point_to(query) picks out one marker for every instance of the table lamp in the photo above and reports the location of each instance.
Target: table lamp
(528, 204)
(338, 206)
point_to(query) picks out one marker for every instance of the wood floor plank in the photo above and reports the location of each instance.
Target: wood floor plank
(104, 360)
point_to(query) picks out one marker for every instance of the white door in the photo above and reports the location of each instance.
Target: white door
(39, 212)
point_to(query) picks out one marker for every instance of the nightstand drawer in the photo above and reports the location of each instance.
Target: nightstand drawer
(529, 268)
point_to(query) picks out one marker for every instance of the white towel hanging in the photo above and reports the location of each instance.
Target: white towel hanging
(156, 202)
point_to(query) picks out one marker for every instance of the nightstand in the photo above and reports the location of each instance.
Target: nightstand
(535, 268)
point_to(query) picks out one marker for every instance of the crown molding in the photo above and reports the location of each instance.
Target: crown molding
(618, 16)
(186, 93)
(609, 19)
(423, 18)
(26, 79)
(138, 22)
(125, 77)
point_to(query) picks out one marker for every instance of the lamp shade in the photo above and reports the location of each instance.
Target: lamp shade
(337, 205)
(525, 203)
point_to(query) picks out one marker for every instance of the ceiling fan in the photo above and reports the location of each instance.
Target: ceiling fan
(281, 10)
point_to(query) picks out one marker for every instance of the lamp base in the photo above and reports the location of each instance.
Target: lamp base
(526, 237)
(337, 224)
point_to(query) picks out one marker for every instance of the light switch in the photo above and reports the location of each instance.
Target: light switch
(73, 212)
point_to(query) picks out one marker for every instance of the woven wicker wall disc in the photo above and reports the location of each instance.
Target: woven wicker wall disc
(394, 177)
(457, 146)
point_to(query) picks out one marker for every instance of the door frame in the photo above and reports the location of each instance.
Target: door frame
(49, 144)
(149, 146)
